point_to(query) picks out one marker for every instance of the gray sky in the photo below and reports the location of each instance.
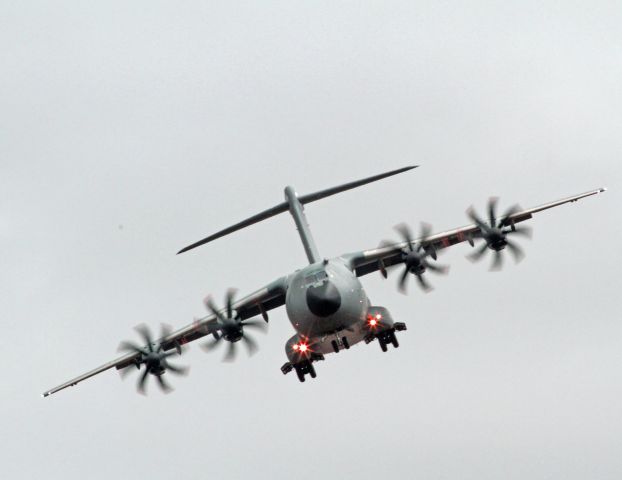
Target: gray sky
(128, 130)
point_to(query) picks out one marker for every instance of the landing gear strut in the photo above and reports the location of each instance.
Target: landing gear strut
(336, 344)
(304, 367)
(387, 336)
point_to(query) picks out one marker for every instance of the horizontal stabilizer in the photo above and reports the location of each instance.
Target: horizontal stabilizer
(271, 212)
(312, 197)
(284, 206)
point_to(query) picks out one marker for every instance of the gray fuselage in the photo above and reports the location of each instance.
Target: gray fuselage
(325, 298)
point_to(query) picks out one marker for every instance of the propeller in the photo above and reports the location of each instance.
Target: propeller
(416, 257)
(153, 358)
(495, 235)
(231, 328)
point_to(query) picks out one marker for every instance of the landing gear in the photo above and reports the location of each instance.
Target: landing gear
(304, 367)
(336, 344)
(386, 336)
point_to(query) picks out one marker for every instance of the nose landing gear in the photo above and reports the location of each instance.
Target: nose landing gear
(337, 344)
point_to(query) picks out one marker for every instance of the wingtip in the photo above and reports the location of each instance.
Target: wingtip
(603, 189)
(398, 171)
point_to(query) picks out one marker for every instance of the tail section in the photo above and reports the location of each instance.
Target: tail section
(291, 204)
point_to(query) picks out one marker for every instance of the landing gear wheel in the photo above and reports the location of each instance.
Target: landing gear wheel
(312, 371)
(345, 342)
(383, 344)
(301, 375)
(394, 340)
(335, 346)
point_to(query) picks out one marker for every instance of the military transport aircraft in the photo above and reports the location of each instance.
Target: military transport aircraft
(325, 300)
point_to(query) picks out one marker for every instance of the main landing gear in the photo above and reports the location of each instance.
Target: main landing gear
(303, 367)
(386, 337)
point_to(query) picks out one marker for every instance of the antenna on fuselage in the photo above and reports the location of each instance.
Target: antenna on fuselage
(294, 203)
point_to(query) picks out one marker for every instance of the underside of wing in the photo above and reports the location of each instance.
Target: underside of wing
(103, 368)
(152, 355)
(387, 255)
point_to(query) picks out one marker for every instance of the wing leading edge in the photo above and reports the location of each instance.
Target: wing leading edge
(262, 300)
(368, 261)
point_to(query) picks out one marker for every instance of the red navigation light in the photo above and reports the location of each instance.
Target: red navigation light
(373, 322)
(303, 347)
(296, 346)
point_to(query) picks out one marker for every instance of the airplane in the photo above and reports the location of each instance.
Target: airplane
(325, 301)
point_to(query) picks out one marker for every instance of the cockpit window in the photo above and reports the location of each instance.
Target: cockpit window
(321, 275)
(316, 277)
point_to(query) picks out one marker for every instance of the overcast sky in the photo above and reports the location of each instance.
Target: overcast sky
(131, 129)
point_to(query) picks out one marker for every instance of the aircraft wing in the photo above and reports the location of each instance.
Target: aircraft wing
(368, 261)
(259, 302)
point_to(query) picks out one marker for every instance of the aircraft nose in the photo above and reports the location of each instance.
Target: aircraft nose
(323, 300)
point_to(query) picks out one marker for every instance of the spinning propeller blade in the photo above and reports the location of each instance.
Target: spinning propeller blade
(416, 257)
(495, 232)
(152, 359)
(231, 329)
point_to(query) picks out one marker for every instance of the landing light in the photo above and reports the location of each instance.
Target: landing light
(300, 347)
(374, 320)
